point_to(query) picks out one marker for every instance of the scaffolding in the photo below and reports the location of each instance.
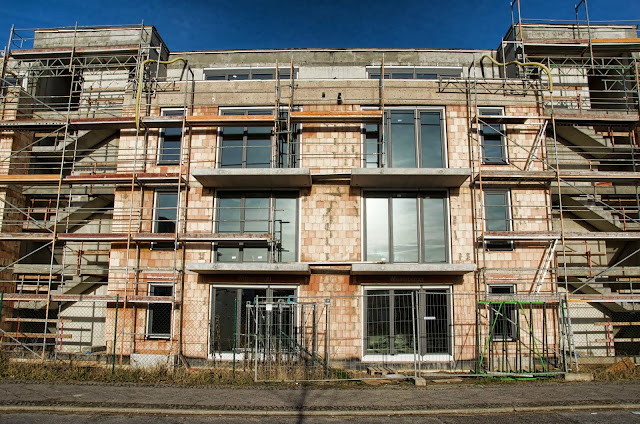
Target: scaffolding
(566, 142)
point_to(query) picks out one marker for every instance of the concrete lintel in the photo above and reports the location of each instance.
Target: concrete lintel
(408, 177)
(412, 269)
(253, 177)
(249, 268)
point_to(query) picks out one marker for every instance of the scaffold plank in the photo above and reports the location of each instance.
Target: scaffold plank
(555, 235)
(141, 237)
(508, 119)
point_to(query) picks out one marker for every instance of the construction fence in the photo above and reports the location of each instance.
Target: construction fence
(383, 332)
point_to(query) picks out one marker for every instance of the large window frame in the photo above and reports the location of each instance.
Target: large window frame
(374, 240)
(170, 155)
(428, 347)
(503, 315)
(387, 151)
(504, 223)
(415, 72)
(159, 311)
(493, 142)
(247, 205)
(246, 74)
(271, 291)
(159, 221)
(247, 141)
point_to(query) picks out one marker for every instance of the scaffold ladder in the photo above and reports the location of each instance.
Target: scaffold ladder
(567, 334)
(544, 270)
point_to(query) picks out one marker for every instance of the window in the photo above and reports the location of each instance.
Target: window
(493, 141)
(253, 147)
(170, 140)
(503, 314)
(389, 322)
(497, 208)
(165, 216)
(406, 227)
(414, 139)
(411, 72)
(239, 74)
(229, 307)
(159, 313)
(258, 213)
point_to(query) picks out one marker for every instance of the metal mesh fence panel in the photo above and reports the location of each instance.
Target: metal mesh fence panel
(274, 335)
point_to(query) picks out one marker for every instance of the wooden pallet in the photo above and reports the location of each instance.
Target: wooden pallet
(380, 371)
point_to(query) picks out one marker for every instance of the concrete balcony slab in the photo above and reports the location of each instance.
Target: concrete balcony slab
(254, 177)
(408, 177)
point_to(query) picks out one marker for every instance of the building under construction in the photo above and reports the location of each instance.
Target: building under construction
(319, 213)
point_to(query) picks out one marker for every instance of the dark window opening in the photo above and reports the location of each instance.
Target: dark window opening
(230, 307)
(503, 315)
(170, 141)
(497, 208)
(59, 92)
(159, 314)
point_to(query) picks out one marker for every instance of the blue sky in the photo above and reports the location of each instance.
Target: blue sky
(250, 24)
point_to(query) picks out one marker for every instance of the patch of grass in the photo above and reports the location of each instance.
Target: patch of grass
(611, 373)
(70, 372)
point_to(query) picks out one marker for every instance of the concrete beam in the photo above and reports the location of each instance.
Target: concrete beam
(249, 268)
(411, 269)
(253, 178)
(408, 177)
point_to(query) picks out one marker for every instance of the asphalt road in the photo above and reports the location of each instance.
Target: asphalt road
(610, 417)
(521, 402)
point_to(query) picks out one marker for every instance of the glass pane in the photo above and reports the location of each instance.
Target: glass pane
(255, 254)
(170, 140)
(378, 329)
(405, 229)
(372, 147)
(402, 75)
(434, 228)
(377, 227)
(256, 215)
(228, 254)
(426, 76)
(262, 76)
(285, 228)
(258, 147)
(223, 319)
(229, 209)
(492, 145)
(166, 212)
(496, 210)
(402, 322)
(231, 152)
(403, 144)
(233, 77)
(216, 77)
(170, 148)
(431, 139)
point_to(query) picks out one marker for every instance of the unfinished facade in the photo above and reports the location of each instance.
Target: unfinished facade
(430, 209)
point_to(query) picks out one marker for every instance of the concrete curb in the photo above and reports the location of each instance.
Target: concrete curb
(315, 413)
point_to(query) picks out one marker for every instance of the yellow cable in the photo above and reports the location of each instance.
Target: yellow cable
(140, 75)
(515, 62)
